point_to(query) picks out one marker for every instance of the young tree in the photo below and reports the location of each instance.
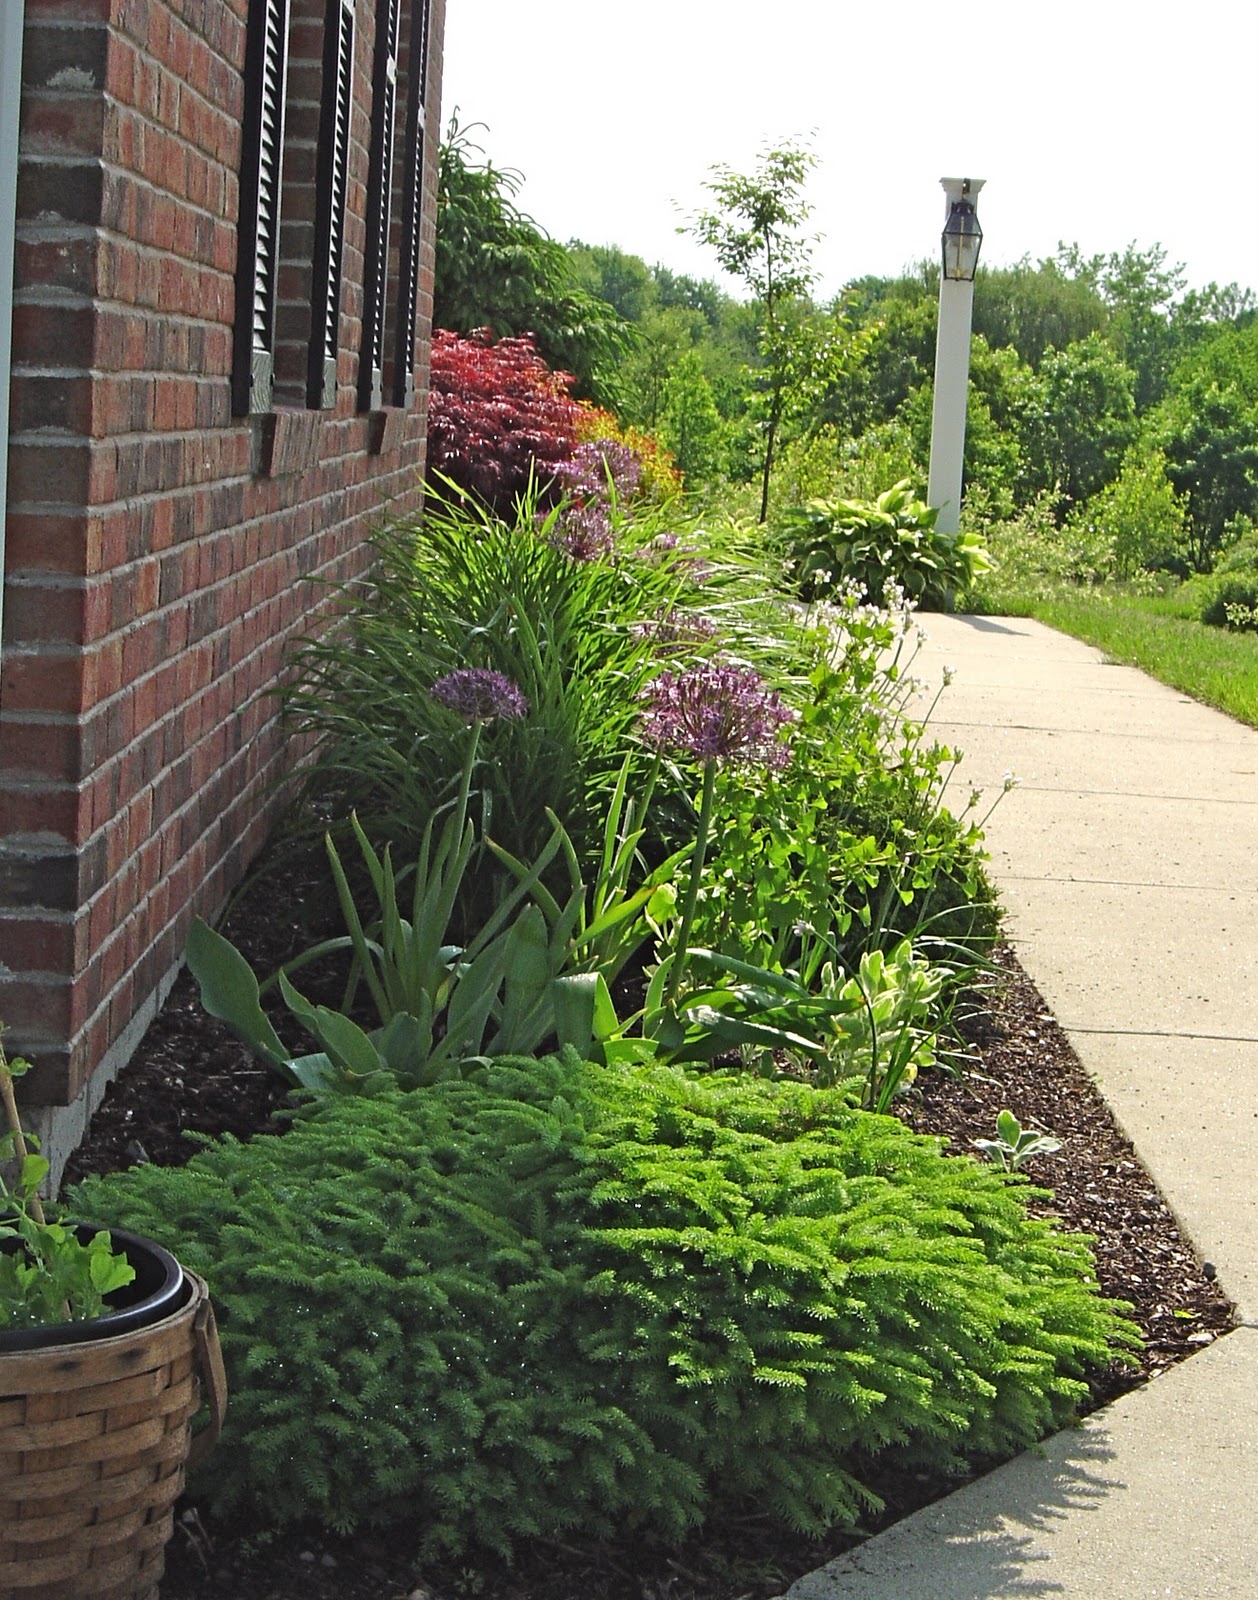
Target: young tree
(1208, 427)
(755, 231)
(1209, 433)
(690, 424)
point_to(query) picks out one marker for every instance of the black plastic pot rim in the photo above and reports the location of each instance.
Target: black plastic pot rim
(158, 1290)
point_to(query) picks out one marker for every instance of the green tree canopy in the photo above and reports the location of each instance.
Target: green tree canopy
(1079, 419)
(495, 268)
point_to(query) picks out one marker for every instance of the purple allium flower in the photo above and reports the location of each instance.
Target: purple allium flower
(595, 476)
(584, 531)
(478, 694)
(600, 468)
(678, 630)
(715, 713)
(668, 547)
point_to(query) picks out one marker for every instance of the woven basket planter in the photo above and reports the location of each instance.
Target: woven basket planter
(95, 1438)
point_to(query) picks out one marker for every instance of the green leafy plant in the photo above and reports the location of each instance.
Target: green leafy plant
(1242, 617)
(557, 1296)
(850, 846)
(1015, 1145)
(47, 1273)
(885, 1032)
(536, 969)
(1223, 592)
(438, 1005)
(894, 540)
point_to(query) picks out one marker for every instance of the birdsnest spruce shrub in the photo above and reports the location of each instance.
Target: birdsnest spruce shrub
(556, 1296)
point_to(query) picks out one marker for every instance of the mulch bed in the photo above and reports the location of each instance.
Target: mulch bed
(190, 1075)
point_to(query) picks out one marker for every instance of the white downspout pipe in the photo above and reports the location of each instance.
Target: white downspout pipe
(12, 23)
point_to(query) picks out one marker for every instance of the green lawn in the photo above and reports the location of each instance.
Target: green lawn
(1214, 665)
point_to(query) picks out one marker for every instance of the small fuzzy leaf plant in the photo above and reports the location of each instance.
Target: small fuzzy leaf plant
(554, 1296)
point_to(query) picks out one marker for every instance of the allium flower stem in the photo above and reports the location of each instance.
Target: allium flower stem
(465, 777)
(697, 860)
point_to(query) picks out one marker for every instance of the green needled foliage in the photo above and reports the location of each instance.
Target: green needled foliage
(558, 1296)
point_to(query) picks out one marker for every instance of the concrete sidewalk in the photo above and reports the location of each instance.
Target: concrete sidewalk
(1128, 861)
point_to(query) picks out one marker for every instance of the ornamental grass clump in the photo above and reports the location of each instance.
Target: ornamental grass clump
(460, 588)
(555, 1297)
(457, 590)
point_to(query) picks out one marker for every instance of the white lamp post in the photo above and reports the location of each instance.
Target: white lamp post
(962, 239)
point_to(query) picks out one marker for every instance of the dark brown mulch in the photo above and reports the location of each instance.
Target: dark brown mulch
(190, 1075)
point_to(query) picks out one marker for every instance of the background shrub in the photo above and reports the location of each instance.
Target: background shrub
(1224, 589)
(1137, 520)
(561, 1296)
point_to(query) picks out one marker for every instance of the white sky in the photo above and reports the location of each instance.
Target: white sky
(1096, 121)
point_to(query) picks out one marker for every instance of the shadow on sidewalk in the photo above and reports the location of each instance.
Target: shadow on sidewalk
(978, 1543)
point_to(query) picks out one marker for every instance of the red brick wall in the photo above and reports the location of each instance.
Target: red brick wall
(160, 553)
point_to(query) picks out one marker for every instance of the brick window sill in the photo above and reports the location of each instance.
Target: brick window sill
(286, 442)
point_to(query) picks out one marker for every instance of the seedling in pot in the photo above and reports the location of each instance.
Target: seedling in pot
(49, 1275)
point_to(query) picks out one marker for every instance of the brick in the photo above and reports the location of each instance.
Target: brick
(52, 401)
(51, 612)
(63, 125)
(48, 681)
(66, 190)
(50, 810)
(34, 877)
(45, 750)
(56, 259)
(61, 543)
(65, 58)
(49, 471)
(32, 944)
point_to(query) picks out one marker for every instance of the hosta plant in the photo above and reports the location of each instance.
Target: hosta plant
(893, 541)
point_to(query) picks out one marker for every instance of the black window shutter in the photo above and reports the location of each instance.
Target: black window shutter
(379, 196)
(412, 209)
(258, 231)
(333, 168)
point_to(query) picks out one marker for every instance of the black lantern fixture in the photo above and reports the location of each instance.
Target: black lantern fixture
(962, 239)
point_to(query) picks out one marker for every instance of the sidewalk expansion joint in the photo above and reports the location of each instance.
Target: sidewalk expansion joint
(1158, 1033)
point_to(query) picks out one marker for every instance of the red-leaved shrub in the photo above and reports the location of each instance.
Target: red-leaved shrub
(497, 414)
